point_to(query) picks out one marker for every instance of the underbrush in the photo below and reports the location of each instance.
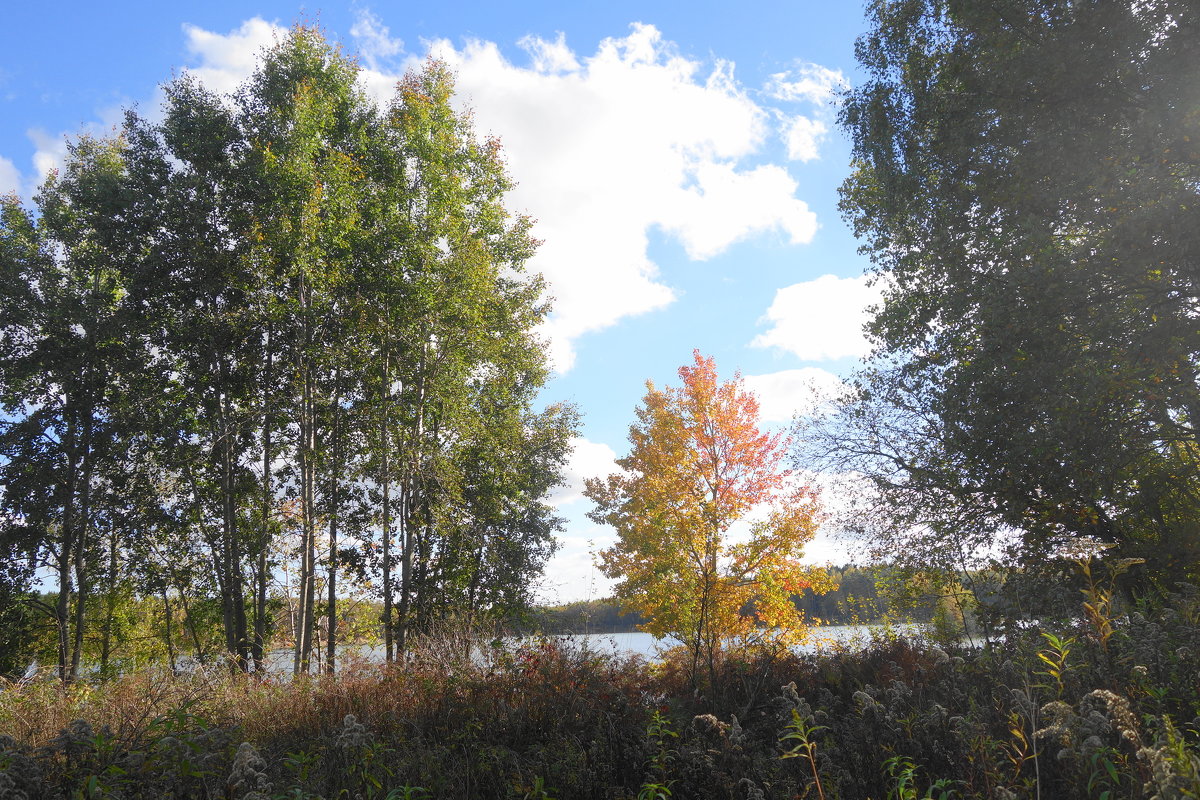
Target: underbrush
(1087, 710)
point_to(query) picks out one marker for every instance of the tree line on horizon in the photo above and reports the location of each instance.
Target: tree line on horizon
(279, 332)
(859, 596)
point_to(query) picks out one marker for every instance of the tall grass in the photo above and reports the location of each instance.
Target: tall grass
(1084, 711)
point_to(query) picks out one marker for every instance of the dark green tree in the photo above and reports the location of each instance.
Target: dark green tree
(1025, 180)
(70, 349)
(282, 311)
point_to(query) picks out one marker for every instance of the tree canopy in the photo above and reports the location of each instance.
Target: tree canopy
(283, 333)
(1025, 181)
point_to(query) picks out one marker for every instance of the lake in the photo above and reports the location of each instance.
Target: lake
(645, 645)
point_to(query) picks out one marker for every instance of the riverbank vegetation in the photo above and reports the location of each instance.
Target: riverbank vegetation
(1083, 707)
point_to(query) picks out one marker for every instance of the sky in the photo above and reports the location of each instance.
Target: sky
(681, 160)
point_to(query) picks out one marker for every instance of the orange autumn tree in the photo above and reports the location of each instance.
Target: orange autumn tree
(700, 463)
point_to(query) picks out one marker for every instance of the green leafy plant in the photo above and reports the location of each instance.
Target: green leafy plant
(539, 790)
(365, 768)
(1105, 780)
(1054, 658)
(903, 773)
(1098, 594)
(408, 793)
(301, 764)
(800, 733)
(654, 791)
(658, 733)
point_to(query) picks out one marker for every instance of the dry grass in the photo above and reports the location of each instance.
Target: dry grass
(464, 720)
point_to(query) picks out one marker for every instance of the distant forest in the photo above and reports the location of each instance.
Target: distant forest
(861, 596)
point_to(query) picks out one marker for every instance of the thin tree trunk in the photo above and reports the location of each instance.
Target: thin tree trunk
(260, 572)
(81, 577)
(110, 607)
(189, 623)
(170, 639)
(386, 481)
(66, 584)
(406, 544)
(408, 522)
(307, 491)
(223, 553)
(334, 502)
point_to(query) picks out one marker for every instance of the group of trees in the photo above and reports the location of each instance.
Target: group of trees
(1027, 182)
(284, 323)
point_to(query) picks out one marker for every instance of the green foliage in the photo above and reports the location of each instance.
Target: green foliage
(800, 732)
(281, 311)
(903, 774)
(1029, 202)
(657, 785)
(1054, 659)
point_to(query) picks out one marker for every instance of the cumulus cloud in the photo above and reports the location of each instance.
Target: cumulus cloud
(821, 319)
(374, 40)
(550, 56)
(572, 574)
(224, 61)
(803, 137)
(724, 206)
(844, 497)
(783, 394)
(50, 152)
(811, 83)
(609, 146)
(606, 148)
(588, 460)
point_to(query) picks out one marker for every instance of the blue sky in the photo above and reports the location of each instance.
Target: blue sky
(682, 160)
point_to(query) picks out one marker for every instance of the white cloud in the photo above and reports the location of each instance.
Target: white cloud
(10, 177)
(828, 548)
(839, 493)
(225, 60)
(228, 59)
(571, 574)
(605, 148)
(781, 395)
(815, 86)
(550, 57)
(588, 460)
(821, 319)
(725, 206)
(803, 136)
(50, 152)
(809, 83)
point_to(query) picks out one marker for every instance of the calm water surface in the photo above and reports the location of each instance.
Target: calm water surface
(645, 645)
